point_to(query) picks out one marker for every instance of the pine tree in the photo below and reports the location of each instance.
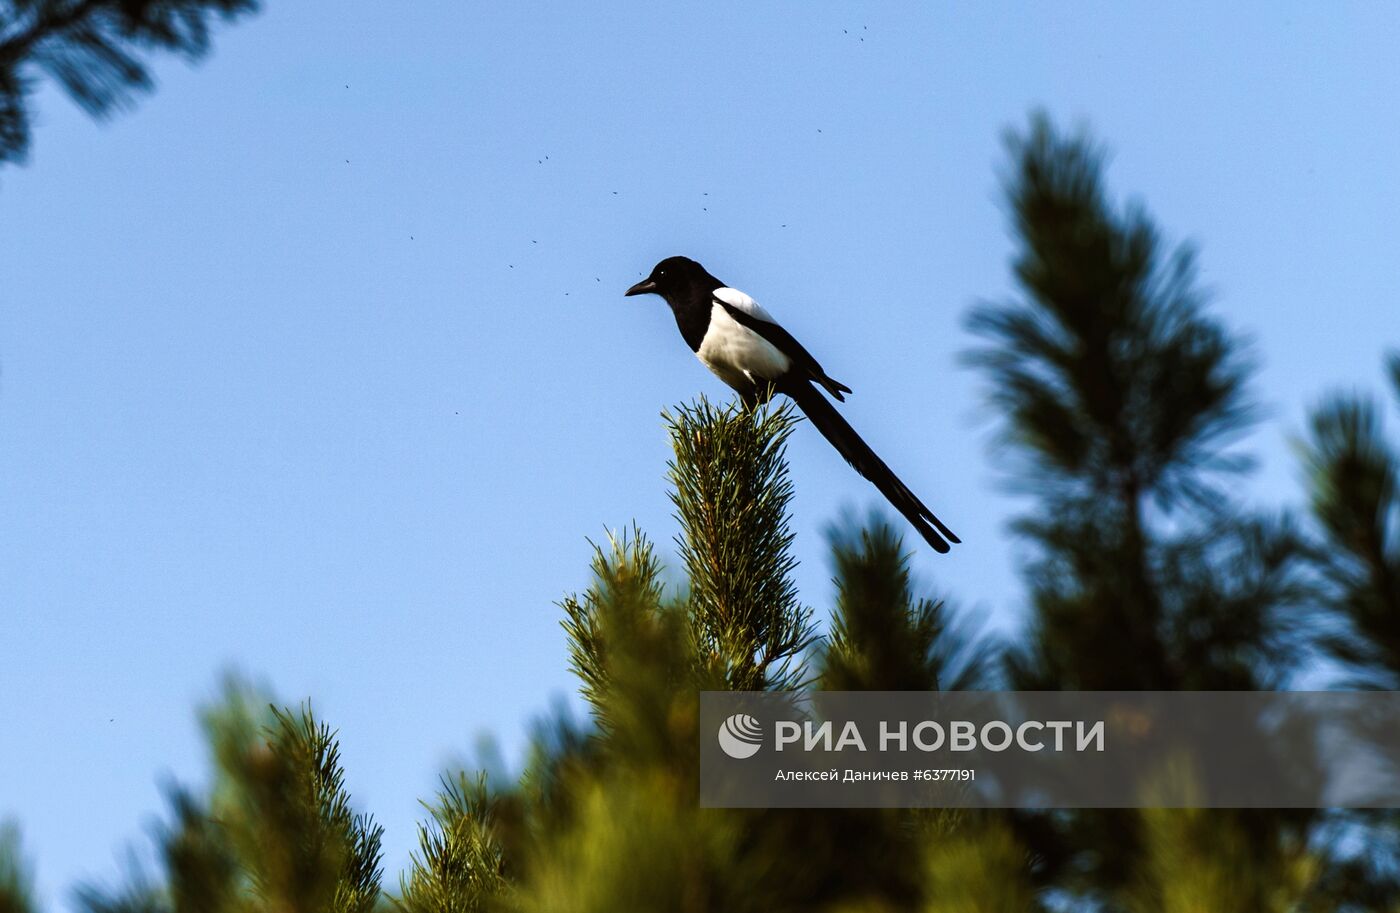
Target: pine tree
(277, 835)
(621, 830)
(16, 889)
(882, 637)
(731, 492)
(459, 867)
(1354, 475)
(94, 49)
(1122, 398)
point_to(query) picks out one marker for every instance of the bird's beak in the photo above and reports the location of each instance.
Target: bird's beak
(641, 288)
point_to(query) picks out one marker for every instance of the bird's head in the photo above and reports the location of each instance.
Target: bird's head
(673, 277)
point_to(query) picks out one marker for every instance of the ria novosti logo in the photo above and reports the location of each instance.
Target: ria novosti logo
(740, 736)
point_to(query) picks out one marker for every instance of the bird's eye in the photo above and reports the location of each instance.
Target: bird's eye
(660, 274)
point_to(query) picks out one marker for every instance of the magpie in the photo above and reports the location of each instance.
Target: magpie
(747, 349)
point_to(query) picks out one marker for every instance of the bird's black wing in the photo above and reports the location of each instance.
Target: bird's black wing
(785, 343)
(823, 415)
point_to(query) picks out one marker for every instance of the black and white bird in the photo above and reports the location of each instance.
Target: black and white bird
(747, 349)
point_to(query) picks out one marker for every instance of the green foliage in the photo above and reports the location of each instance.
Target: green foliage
(611, 823)
(277, 836)
(1120, 396)
(459, 866)
(1354, 476)
(626, 646)
(882, 638)
(980, 866)
(1112, 380)
(287, 818)
(635, 841)
(94, 50)
(1121, 399)
(731, 495)
(1200, 860)
(16, 888)
(203, 872)
(137, 895)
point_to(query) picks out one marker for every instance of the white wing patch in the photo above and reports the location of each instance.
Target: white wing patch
(736, 354)
(741, 302)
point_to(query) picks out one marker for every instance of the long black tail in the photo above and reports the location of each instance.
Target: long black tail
(821, 413)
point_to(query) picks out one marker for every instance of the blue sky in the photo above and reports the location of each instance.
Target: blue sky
(316, 364)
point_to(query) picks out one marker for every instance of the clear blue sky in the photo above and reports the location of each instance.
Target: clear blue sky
(274, 398)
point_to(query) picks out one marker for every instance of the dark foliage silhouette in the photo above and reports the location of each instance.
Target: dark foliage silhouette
(94, 49)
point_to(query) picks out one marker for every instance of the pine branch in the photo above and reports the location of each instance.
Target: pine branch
(616, 620)
(883, 638)
(731, 496)
(94, 49)
(459, 866)
(1114, 381)
(284, 814)
(16, 883)
(1122, 400)
(629, 650)
(979, 867)
(203, 876)
(312, 752)
(1354, 475)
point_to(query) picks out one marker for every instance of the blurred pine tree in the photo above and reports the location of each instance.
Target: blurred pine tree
(277, 836)
(460, 866)
(1354, 475)
(15, 884)
(882, 638)
(1121, 398)
(94, 50)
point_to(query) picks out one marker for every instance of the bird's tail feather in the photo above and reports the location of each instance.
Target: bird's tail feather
(834, 387)
(823, 415)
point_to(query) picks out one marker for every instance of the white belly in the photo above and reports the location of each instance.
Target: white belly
(737, 355)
